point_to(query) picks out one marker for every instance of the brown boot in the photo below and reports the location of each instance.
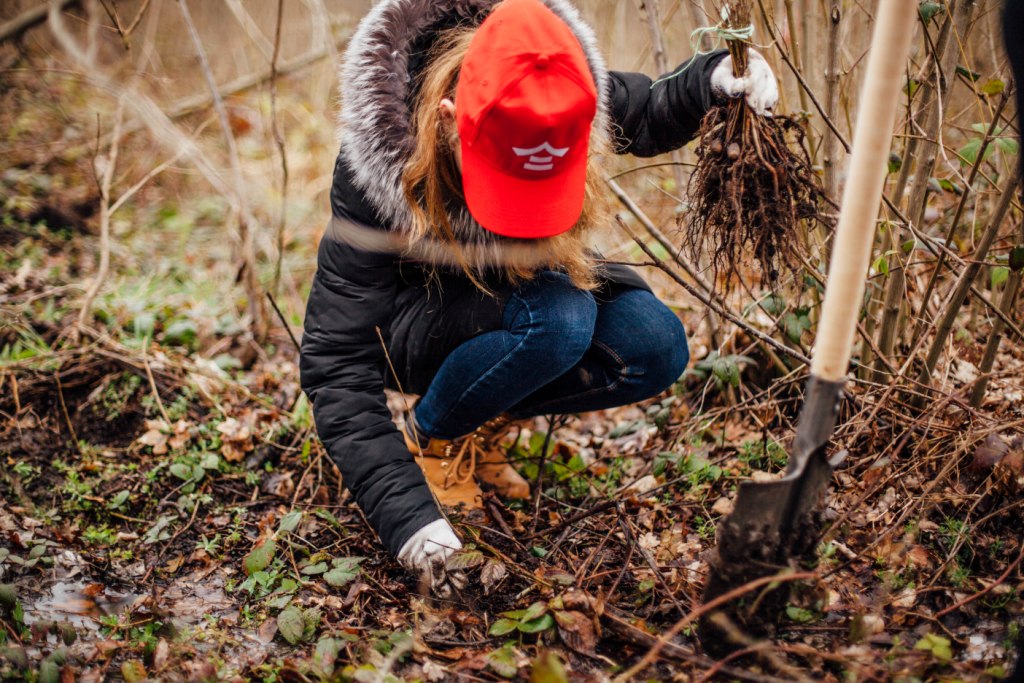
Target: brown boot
(448, 467)
(492, 466)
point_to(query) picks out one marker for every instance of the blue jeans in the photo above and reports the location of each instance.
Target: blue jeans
(559, 350)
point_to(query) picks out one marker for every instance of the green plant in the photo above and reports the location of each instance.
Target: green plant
(77, 491)
(958, 574)
(535, 619)
(26, 471)
(704, 527)
(724, 370)
(210, 546)
(100, 535)
(118, 394)
(763, 454)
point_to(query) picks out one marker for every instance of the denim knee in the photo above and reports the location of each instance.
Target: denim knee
(668, 363)
(658, 353)
(556, 320)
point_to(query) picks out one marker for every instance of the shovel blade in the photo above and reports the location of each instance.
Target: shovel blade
(774, 522)
(765, 524)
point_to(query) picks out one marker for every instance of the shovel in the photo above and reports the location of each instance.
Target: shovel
(775, 522)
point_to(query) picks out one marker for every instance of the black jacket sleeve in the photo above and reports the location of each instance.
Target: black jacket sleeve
(342, 367)
(647, 120)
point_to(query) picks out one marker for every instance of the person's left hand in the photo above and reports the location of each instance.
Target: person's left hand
(757, 84)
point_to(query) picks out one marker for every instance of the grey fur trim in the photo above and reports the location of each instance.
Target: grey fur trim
(375, 121)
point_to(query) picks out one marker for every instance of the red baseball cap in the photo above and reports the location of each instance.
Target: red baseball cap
(524, 107)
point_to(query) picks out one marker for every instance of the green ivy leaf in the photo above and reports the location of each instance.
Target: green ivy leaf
(969, 152)
(796, 324)
(503, 627)
(290, 522)
(260, 557)
(314, 569)
(345, 570)
(1008, 146)
(291, 624)
(537, 625)
(181, 471)
(534, 611)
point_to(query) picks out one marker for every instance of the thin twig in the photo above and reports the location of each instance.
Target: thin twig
(246, 222)
(987, 589)
(105, 211)
(13, 29)
(279, 141)
(284, 323)
(677, 628)
(156, 393)
(711, 303)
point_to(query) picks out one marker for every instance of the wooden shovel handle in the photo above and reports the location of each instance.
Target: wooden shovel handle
(851, 253)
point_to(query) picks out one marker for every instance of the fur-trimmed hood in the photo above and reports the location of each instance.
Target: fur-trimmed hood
(375, 121)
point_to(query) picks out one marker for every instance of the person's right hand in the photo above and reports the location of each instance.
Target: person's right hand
(426, 554)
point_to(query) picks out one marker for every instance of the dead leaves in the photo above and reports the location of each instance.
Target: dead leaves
(1002, 457)
(236, 439)
(162, 437)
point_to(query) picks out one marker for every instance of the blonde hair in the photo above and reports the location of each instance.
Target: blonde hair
(433, 184)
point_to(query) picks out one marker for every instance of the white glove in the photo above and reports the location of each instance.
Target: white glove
(426, 553)
(758, 83)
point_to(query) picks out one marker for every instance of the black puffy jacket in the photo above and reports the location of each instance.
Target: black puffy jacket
(359, 291)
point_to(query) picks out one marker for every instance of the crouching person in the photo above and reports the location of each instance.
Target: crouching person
(456, 265)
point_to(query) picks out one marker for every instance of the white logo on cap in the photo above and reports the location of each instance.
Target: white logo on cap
(540, 163)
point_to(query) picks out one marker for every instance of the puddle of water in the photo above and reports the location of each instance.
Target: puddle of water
(78, 602)
(190, 601)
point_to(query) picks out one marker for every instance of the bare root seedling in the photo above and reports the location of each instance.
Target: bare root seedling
(753, 184)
